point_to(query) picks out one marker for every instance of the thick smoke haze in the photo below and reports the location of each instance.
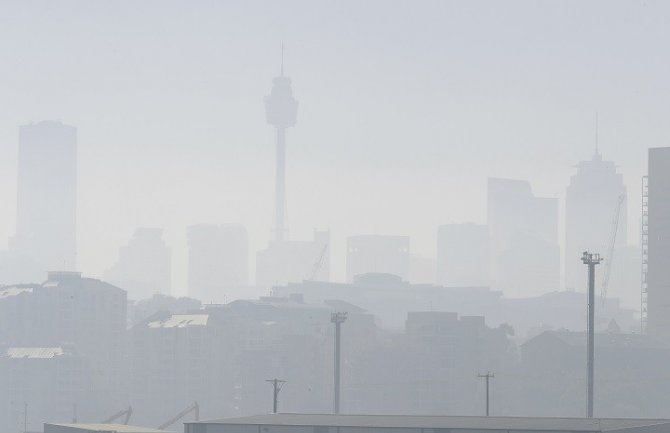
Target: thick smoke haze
(405, 109)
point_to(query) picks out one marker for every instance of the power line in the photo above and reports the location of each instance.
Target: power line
(488, 376)
(277, 385)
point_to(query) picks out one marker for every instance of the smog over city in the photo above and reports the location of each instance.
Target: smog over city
(379, 216)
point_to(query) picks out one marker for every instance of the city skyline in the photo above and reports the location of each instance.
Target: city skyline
(426, 215)
(365, 166)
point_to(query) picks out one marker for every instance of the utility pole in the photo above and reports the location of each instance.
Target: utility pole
(488, 376)
(277, 385)
(591, 260)
(337, 319)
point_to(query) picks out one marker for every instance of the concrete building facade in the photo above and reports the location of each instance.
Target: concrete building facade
(524, 238)
(463, 255)
(144, 267)
(378, 254)
(658, 274)
(46, 218)
(591, 201)
(218, 260)
(285, 261)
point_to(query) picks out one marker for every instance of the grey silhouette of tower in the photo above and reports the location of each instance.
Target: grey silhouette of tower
(281, 110)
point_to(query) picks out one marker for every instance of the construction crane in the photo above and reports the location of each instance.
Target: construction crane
(125, 412)
(318, 264)
(610, 251)
(192, 408)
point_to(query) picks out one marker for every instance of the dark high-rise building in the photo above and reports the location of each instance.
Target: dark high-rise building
(658, 271)
(591, 203)
(218, 260)
(46, 220)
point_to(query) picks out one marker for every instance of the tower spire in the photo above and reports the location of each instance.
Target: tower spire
(282, 59)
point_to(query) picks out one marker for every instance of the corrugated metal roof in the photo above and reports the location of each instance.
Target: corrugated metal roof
(13, 291)
(34, 352)
(180, 321)
(120, 428)
(448, 422)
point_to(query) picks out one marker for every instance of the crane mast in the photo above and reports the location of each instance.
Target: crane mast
(610, 250)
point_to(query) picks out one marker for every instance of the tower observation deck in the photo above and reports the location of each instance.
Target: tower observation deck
(281, 110)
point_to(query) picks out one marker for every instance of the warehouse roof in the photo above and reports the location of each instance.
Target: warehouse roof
(7, 292)
(33, 352)
(450, 422)
(119, 428)
(180, 321)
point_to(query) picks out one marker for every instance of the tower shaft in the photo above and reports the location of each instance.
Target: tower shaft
(280, 185)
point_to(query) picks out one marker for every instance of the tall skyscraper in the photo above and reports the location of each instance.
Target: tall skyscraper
(46, 221)
(524, 238)
(463, 255)
(658, 271)
(218, 260)
(144, 267)
(281, 110)
(378, 254)
(590, 203)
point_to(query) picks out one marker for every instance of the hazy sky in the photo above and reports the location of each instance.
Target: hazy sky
(405, 108)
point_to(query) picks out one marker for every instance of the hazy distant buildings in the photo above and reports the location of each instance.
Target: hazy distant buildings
(46, 219)
(378, 254)
(177, 359)
(285, 262)
(67, 310)
(463, 255)
(631, 377)
(590, 203)
(658, 274)
(218, 260)
(421, 269)
(524, 235)
(144, 267)
(47, 381)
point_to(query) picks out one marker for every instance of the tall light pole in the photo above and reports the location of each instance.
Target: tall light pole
(337, 318)
(591, 260)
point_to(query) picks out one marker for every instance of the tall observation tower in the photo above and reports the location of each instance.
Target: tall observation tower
(281, 110)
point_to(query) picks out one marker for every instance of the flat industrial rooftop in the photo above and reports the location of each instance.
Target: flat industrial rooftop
(442, 422)
(119, 428)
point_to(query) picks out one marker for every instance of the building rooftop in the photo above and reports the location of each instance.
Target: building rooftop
(180, 321)
(33, 352)
(14, 291)
(449, 422)
(119, 428)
